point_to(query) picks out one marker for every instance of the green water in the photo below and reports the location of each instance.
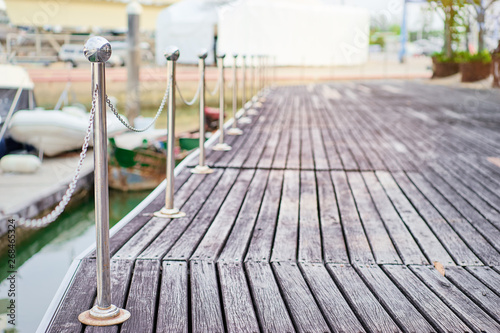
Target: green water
(43, 258)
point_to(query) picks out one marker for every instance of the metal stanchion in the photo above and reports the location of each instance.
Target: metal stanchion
(251, 111)
(234, 130)
(201, 168)
(244, 103)
(103, 313)
(221, 146)
(169, 211)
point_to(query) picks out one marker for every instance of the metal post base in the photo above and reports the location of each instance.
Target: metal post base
(245, 120)
(252, 112)
(222, 147)
(255, 98)
(104, 317)
(202, 170)
(248, 105)
(257, 105)
(234, 131)
(173, 213)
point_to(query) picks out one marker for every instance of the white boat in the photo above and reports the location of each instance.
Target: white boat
(56, 131)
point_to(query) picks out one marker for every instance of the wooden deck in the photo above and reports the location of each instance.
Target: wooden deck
(330, 214)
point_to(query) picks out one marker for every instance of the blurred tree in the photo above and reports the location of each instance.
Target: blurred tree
(453, 22)
(481, 6)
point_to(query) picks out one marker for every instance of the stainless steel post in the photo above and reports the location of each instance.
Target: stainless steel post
(98, 50)
(255, 78)
(169, 211)
(133, 105)
(252, 76)
(201, 168)
(244, 103)
(221, 146)
(234, 130)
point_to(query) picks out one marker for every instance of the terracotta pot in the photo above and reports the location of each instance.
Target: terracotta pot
(475, 71)
(443, 69)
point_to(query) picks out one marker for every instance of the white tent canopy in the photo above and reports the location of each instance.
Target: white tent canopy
(296, 33)
(189, 25)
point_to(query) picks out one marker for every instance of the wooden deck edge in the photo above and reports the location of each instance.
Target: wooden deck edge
(58, 297)
(46, 199)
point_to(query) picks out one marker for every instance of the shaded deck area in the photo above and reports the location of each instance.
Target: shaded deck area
(338, 210)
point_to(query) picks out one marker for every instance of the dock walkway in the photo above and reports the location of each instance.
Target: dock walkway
(339, 210)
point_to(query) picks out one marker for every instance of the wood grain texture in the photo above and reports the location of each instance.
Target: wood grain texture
(205, 302)
(173, 311)
(427, 240)
(214, 238)
(285, 241)
(488, 277)
(357, 243)
(393, 300)
(269, 305)
(456, 300)
(379, 239)
(309, 230)
(79, 298)
(475, 290)
(261, 242)
(237, 302)
(142, 297)
(429, 304)
(237, 242)
(334, 248)
(301, 304)
(362, 301)
(335, 308)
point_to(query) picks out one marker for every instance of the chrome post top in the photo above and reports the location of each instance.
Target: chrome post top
(221, 55)
(202, 54)
(244, 56)
(97, 49)
(172, 53)
(235, 55)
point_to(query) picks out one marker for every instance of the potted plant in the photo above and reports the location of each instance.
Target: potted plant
(443, 66)
(474, 67)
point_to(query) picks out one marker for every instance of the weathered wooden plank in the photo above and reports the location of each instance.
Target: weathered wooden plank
(319, 153)
(261, 242)
(173, 304)
(301, 304)
(205, 302)
(78, 299)
(482, 225)
(142, 296)
(475, 290)
(431, 306)
(393, 300)
(309, 230)
(281, 154)
(469, 234)
(449, 238)
(269, 305)
(489, 212)
(306, 152)
(140, 240)
(357, 243)
(332, 154)
(121, 271)
(166, 238)
(429, 243)
(379, 239)
(272, 144)
(237, 242)
(488, 276)
(186, 244)
(452, 296)
(364, 303)
(214, 239)
(293, 159)
(335, 308)
(334, 248)
(237, 302)
(285, 240)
